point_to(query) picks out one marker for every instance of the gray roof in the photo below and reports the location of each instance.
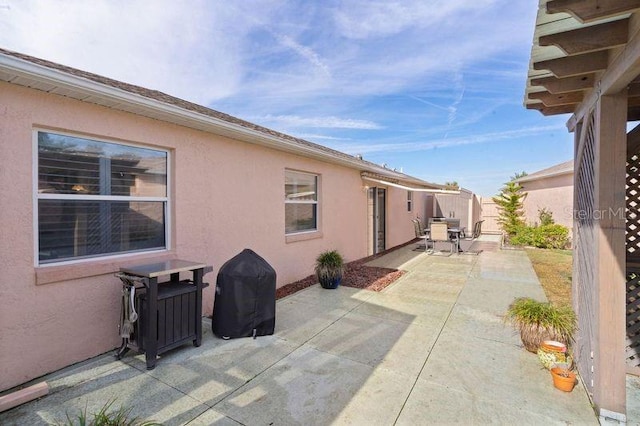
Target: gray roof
(557, 170)
(17, 74)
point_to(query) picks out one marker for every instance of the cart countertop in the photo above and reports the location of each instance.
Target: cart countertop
(152, 270)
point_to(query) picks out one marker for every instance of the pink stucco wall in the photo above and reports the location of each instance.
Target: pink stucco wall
(400, 229)
(555, 194)
(226, 195)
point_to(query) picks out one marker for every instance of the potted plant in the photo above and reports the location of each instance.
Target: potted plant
(563, 379)
(554, 354)
(329, 268)
(539, 321)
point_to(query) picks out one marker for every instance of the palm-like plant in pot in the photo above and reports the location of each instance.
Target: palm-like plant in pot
(539, 321)
(329, 268)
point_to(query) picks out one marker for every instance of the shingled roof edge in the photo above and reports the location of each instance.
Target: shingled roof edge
(164, 99)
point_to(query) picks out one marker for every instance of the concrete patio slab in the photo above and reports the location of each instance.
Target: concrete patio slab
(429, 276)
(496, 371)
(213, 417)
(470, 320)
(218, 367)
(342, 297)
(379, 402)
(430, 403)
(124, 386)
(431, 348)
(447, 269)
(312, 387)
(405, 308)
(495, 296)
(298, 322)
(398, 259)
(505, 265)
(397, 346)
(633, 400)
(428, 289)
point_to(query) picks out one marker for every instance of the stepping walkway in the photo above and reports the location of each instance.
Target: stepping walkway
(430, 349)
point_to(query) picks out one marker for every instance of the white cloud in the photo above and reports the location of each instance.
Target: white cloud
(319, 122)
(185, 50)
(297, 67)
(314, 136)
(306, 52)
(241, 52)
(377, 18)
(447, 142)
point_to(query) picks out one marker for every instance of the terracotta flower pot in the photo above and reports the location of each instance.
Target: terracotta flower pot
(563, 379)
(553, 346)
(554, 354)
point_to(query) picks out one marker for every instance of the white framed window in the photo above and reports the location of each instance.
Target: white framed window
(300, 202)
(409, 201)
(96, 198)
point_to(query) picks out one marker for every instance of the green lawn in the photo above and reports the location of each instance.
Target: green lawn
(553, 268)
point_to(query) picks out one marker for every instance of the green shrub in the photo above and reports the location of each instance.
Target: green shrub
(545, 216)
(523, 236)
(552, 236)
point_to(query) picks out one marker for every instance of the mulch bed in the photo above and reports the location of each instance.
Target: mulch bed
(356, 274)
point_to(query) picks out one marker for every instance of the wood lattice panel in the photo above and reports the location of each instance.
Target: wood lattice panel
(585, 250)
(633, 255)
(633, 318)
(633, 205)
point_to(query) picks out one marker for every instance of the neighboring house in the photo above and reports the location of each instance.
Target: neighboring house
(99, 174)
(551, 189)
(598, 84)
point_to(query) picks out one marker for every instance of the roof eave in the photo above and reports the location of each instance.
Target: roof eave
(531, 178)
(181, 116)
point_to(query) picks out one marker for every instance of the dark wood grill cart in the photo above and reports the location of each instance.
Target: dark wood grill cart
(169, 314)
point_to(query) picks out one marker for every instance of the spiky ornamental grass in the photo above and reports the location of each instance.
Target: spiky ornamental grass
(104, 417)
(329, 265)
(539, 321)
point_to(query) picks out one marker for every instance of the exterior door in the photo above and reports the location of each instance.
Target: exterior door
(377, 219)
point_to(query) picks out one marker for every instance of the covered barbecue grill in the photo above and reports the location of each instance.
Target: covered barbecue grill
(245, 301)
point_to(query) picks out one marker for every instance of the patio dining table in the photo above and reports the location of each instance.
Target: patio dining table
(454, 234)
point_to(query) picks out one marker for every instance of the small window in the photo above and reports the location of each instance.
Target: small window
(98, 198)
(300, 202)
(409, 201)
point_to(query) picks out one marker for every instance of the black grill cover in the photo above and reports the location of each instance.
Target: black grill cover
(245, 301)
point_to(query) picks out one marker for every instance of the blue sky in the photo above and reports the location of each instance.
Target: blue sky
(432, 87)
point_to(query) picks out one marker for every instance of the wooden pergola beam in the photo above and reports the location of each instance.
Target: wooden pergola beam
(575, 65)
(551, 99)
(564, 85)
(589, 39)
(553, 110)
(591, 10)
(623, 69)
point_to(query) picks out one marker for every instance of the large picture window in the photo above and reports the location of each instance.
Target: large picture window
(301, 202)
(98, 198)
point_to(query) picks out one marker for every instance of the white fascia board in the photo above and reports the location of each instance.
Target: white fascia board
(409, 188)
